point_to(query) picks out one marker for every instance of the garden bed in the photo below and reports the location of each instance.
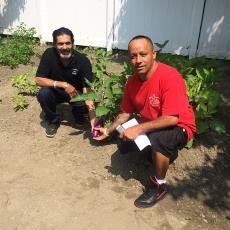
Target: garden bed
(71, 182)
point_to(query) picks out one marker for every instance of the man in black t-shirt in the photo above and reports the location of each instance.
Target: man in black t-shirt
(62, 74)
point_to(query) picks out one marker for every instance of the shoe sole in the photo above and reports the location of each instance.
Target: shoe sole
(150, 205)
(50, 136)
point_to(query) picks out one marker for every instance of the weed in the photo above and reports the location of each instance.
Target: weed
(26, 87)
(24, 84)
(20, 102)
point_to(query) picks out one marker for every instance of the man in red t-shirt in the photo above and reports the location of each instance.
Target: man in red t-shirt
(157, 93)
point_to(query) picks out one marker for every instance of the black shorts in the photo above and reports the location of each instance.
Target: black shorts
(169, 141)
(166, 141)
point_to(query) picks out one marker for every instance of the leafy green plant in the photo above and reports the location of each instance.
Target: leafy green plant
(25, 83)
(205, 99)
(99, 59)
(200, 75)
(107, 87)
(20, 102)
(17, 48)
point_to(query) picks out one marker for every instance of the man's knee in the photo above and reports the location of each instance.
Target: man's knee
(79, 107)
(44, 94)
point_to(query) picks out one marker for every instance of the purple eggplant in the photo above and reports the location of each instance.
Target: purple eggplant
(99, 124)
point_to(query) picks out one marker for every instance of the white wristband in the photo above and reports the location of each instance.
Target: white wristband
(55, 84)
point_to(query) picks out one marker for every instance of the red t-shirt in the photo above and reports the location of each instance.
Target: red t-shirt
(163, 94)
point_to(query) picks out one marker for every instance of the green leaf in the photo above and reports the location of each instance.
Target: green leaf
(206, 71)
(209, 94)
(128, 70)
(118, 91)
(87, 96)
(189, 144)
(203, 107)
(217, 126)
(101, 111)
(108, 88)
(198, 74)
(199, 114)
(202, 126)
(114, 78)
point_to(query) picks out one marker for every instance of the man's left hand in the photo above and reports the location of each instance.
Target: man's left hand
(130, 133)
(90, 105)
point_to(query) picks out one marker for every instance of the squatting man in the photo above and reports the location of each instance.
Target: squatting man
(62, 74)
(156, 92)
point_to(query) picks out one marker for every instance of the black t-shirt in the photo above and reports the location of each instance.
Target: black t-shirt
(74, 73)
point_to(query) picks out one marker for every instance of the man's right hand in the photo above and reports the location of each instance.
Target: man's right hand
(103, 135)
(70, 89)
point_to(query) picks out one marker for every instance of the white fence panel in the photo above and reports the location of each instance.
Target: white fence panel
(90, 20)
(87, 19)
(13, 12)
(112, 23)
(175, 20)
(215, 33)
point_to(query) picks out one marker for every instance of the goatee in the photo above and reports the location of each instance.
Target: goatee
(65, 56)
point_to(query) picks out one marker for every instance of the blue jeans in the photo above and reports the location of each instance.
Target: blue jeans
(49, 98)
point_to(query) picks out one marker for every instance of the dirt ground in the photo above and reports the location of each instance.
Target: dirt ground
(70, 182)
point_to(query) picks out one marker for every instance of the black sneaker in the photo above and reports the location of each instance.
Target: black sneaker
(51, 130)
(153, 193)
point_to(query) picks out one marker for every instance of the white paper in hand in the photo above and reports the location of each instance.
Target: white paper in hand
(142, 140)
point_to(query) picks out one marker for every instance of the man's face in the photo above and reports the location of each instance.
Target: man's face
(64, 46)
(142, 57)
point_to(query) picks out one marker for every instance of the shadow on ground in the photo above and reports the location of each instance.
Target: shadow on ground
(210, 182)
(133, 165)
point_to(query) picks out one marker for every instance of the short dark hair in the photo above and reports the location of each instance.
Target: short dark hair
(142, 37)
(62, 31)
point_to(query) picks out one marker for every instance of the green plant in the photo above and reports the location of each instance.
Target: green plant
(18, 47)
(107, 87)
(25, 83)
(200, 75)
(205, 100)
(99, 59)
(20, 102)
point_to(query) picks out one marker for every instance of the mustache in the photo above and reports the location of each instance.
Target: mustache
(64, 50)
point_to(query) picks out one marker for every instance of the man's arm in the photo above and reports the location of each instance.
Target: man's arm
(46, 82)
(91, 108)
(120, 119)
(159, 123)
